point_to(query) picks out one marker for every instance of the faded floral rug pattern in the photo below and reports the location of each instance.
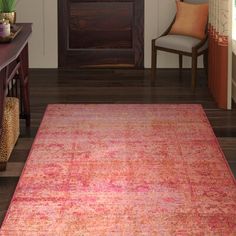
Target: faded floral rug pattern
(124, 170)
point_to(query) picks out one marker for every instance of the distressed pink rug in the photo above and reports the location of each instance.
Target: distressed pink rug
(124, 170)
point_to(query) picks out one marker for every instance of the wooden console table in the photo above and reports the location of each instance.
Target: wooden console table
(14, 65)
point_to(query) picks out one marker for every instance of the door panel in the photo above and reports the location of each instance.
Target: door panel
(101, 33)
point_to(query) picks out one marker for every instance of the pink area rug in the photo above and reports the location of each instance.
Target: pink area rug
(124, 170)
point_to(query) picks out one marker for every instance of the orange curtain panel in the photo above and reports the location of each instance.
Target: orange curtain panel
(218, 50)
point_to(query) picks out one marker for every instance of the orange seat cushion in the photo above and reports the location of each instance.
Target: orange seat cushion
(191, 20)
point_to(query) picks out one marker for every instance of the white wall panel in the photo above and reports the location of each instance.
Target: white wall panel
(43, 42)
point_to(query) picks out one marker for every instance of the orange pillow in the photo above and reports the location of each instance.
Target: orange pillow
(191, 19)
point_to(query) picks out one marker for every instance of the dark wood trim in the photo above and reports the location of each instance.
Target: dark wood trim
(62, 32)
(138, 35)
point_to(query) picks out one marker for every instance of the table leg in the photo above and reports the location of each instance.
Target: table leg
(2, 98)
(2, 95)
(24, 83)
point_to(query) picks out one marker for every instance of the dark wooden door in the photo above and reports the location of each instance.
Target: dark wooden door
(105, 33)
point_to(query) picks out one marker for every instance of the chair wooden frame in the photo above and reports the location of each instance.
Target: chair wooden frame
(194, 55)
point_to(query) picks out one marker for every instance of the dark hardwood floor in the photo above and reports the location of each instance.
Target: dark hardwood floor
(112, 86)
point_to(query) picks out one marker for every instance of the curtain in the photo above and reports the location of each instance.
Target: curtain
(218, 50)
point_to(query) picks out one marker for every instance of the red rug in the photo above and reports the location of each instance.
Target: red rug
(124, 170)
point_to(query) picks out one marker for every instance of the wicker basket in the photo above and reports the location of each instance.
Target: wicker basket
(10, 130)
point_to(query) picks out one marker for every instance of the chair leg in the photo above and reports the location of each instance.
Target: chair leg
(194, 69)
(205, 61)
(180, 66)
(154, 60)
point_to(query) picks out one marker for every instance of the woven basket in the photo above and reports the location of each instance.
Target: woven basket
(10, 130)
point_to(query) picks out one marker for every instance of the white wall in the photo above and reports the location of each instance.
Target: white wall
(43, 43)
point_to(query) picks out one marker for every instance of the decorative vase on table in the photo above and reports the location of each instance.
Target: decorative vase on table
(7, 10)
(10, 16)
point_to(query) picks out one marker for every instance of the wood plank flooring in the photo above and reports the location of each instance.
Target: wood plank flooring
(112, 86)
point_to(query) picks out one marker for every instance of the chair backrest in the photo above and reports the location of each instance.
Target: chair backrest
(196, 1)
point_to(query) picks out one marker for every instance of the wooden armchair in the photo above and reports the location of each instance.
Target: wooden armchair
(183, 46)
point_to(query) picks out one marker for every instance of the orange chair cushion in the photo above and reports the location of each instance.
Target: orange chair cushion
(191, 20)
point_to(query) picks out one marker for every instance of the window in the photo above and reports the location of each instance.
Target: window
(234, 19)
(234, 26)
